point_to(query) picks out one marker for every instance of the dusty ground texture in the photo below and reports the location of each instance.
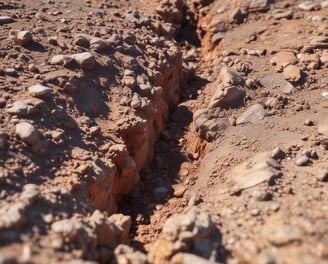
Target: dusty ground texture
(164, 131)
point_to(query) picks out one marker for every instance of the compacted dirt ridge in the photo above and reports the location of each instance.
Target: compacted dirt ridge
(175, 131)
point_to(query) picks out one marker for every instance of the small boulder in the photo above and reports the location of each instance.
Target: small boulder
(253, 114)
(292, 73)
(230, 89)
(39, 91)
(32, 137)
(60, 60)
(258, 169)
(85, 59)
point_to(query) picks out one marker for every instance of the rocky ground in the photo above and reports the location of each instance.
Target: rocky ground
(175, 131)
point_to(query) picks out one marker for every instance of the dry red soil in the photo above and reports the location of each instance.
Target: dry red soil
(175, 131)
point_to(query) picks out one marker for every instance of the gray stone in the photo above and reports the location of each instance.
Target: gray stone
(11, 72)
(39, 91)
(6, 20)
(253, 114)
(276, 80)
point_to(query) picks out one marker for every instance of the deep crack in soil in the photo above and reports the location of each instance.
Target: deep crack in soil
(175, 131)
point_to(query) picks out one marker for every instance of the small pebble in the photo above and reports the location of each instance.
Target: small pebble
(274, 207)
(179, 190)
(255, 212)
(277, 153)
(5, 20)
(322, 174)
(23, 37)
(308, 122)
(302, 160)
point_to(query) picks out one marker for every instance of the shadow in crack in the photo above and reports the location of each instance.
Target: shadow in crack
(163, 190)
(188, 29)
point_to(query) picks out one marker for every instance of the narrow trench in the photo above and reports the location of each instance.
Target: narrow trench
(163, 188)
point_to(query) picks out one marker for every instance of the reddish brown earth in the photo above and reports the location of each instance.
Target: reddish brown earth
(193, 131)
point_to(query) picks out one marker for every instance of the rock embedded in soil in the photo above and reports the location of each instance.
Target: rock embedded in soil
(194, 231)
(187, 258)
(60, 60)
(32, 137)
(323, 128)
(302, 160)
(280, 235)
(18, 108)
(229, 89)
(98, 44)
(85, 59)
(253, 114)
(277, 153)
(322, 173)
(6, 20)
(284, 58)
(23, 37)
(30, 193)
(276, 80)
(124, 254)
(292, 73)
(82, 40)
(179, 190)
(308, 6)
(256, 170)
(12, 216)
(39, 91)
(124, 223)
(11, 72)
(308, 122)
